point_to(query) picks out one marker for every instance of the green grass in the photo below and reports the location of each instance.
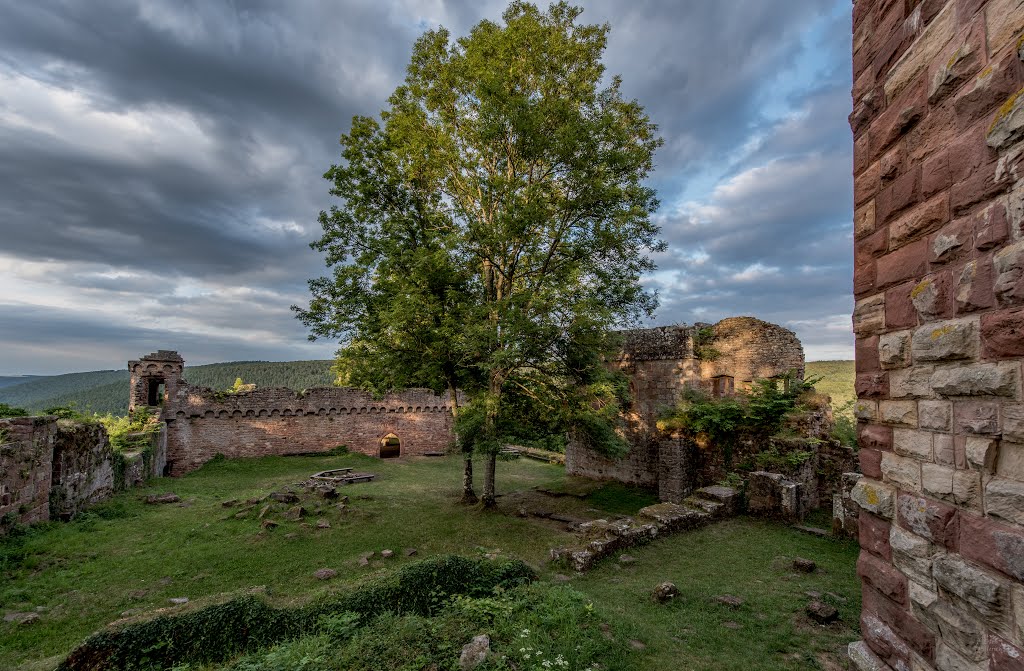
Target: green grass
(128, 556)
(837, 381)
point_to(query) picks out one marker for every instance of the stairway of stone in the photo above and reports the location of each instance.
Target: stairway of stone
(603, 538)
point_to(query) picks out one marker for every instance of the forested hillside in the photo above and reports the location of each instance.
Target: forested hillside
(107, 390)
(837, 380)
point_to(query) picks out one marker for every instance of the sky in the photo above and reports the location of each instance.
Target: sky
(161, 164)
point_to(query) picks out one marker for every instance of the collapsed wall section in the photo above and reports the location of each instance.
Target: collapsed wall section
(938, 126)
(202, 423)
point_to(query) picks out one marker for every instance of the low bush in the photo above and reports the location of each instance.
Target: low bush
(220, 631)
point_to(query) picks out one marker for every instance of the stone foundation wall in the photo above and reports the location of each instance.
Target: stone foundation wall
(26, 457)
(202, 423)
(938, 124)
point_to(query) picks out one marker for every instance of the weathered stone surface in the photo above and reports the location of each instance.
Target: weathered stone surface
(913, 382)
(983, 379)
(948, 659)
(930, 519)
(937, 480)
(973, 288)
(976, 417)
(894, 349)
(865, 660)
(729, 600)
(983, 591)
(869, 315)
(873, 533)
(1008, 126)
(959, 630)
(1004, 656)
(902, 413)
(912, 555)
(935, 415)
(912, 443)
(980, 453)
(1008, 265)
(883, 577)
(821, 612)
(1002, 334)
(1004, 499)
(665, 592)
(804, 565)
(1010, 461)
(1013, 422)
(325, 574)
(865, 410)
(993, 544)
(928, 45)
(875, 497)
(948, 340)
(904, 472)
(943, 447)
(475, 652)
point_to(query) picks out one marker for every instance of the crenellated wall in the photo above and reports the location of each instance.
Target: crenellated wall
(938, 126)
(202, 423)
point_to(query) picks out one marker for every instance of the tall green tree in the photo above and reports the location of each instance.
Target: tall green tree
(494, 228)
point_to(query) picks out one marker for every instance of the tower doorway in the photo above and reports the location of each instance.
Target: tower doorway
(390, 447)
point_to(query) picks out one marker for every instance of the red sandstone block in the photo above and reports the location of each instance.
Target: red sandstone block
(979, 186)
(987, 92)
(865, 275)
(904, 192)
(930, 9)
(1003, 656)
(935, 175)
(902, 623)
(935, 133)
(899, 308)
(875, 437)
(990, 227)
(907, 262)
(1002, 334)
(919, 220)
(883, 577)
(866, 354)
(893, 48)
(870, 463)
(994, 545)
(952, 242)
(873, 532)
(865, 185)
(872, 385)
(899, 116)
(892, 163)
(970, 153)
(980, 418)
(966, 9)
(973, 285)
(938, 522)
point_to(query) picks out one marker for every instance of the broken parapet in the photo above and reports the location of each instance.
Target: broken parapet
(773, 495)
(602, 538)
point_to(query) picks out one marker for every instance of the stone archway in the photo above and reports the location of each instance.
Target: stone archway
(390, 446)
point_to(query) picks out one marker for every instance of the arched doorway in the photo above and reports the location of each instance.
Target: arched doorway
(390, 447)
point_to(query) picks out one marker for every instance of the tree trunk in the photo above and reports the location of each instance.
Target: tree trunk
(468, 494)
(489, 499)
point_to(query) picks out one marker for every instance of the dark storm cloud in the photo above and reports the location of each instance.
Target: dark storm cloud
(167, 157)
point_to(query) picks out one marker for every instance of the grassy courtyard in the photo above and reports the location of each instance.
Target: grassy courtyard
(129, 557)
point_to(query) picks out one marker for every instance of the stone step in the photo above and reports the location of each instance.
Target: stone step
(671, 517)
(712, 508)
(727, 496)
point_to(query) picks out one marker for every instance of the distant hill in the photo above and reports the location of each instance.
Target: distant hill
(837, 380)
(106, 391)
(8, 380)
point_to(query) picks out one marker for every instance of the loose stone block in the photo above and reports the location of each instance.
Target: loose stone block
(982, 379)
(901, 471)
(913, 443)
(1004, 499)
(875, 497)
(894, 349)
(902, 413)
(946, 341)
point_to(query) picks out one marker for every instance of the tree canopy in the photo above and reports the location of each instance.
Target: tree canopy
(493, 228)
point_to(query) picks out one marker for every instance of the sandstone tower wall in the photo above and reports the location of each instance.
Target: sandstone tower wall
(938, 124)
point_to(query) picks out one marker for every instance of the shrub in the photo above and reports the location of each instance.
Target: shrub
(220, 631)
(8, 411)
(131, 433)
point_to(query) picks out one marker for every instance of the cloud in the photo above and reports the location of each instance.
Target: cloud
(161, 162)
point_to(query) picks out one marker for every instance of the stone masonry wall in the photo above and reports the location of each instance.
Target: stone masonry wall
(83, 468)
(26, 455)
(938, 126)
(201, 424)
(660, 364)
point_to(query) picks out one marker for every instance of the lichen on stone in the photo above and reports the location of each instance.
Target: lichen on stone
(920, 288)
(1005, 109)
(939, 332)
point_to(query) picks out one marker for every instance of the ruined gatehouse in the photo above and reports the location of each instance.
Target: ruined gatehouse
(660, 363)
